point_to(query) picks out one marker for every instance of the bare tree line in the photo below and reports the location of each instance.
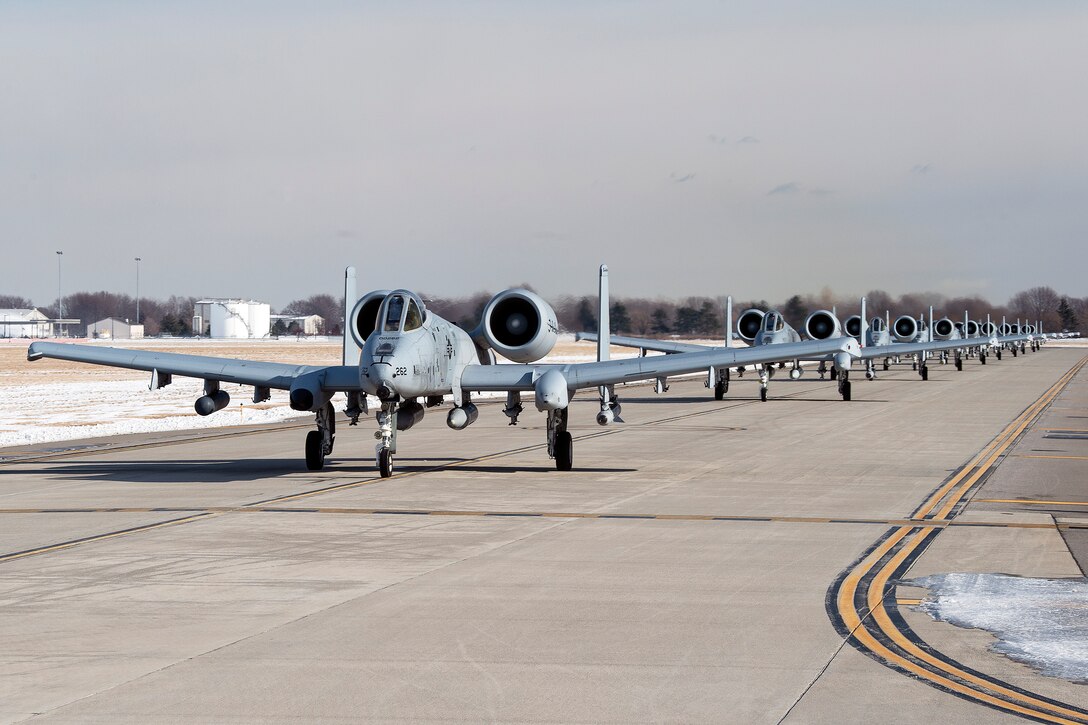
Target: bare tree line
(693, 316)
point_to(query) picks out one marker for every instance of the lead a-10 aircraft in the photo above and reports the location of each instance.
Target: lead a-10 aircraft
(408, 354)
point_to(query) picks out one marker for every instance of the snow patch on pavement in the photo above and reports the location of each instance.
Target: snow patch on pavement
(1040, 622)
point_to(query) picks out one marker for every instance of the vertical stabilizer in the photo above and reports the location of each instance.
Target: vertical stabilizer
(729, 321)
(930, 335)
(351, 350)
(604, 336)
(864, 324)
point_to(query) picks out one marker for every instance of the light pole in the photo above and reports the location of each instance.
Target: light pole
(137, 290)
(60, 295)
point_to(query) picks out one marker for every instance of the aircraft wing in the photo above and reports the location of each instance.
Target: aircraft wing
(609, 372)
(909, 348)
(230, 370)
(666, 346)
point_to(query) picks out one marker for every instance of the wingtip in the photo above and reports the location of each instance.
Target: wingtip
(32, 353)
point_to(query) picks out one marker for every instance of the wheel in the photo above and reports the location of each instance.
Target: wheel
(886, 366)
(719, 391)
(846, 390)
(315, 451)
(385, 462)
(959, 363)
(998, 354)
(763, 394)
(834, 373)
(914, 366)
(564, 451)
(1014, 352)
(982, 358)
(925, 372)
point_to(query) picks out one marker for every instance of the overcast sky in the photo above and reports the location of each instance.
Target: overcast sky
(758, 149)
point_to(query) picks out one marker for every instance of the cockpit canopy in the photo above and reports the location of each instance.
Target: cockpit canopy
(877, 324)
(773, 322)
(402, 311)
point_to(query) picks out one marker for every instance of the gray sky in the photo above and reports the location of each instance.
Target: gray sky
(758, 149)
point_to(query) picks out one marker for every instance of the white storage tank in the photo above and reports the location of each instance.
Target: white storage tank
(260, 319)
(234, 318)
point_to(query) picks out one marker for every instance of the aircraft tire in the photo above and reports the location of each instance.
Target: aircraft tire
(315, 451)
(1014, 352)
(925, 372)
(982, 358)
(385, 462)
(719, 392)
(564, 451)
(886, 366)
(959, 363)
(763, 394)
(846, 390)
(998, 354)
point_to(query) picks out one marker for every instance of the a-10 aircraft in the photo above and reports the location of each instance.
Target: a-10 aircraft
(401, 353)
(770, 330)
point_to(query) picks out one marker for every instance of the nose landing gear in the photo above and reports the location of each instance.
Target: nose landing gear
(386, 436)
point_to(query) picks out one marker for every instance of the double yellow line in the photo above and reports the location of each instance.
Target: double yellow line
(859, 602)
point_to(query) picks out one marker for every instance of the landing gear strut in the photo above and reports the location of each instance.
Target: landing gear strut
(870, 370)
(560, 443)
(764, 378)
(387, 438)
(319, 442)
(721, 386)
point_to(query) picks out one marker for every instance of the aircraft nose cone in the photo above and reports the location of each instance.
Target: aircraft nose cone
(381, 375)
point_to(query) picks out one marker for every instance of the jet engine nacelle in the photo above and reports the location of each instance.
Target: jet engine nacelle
(749, 324)
(519, 325)
(988, 329)
(822, 325)
(364, 316)
(408, 415)
(943, 328)
(853, 326)
(1029, 329)
(973, 328)
(1004, 329)
(905, 328)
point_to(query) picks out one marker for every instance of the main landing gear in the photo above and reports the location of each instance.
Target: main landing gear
(958, 360)
(870, 370)
(560, 443)
(923, 371)
(721, 385)
(844, 384)
(319, 442)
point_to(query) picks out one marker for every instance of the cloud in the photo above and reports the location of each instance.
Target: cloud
(921, 169)
(715, 139)
(681, 179)
(819, 192)
(792, 187)
(748, 140)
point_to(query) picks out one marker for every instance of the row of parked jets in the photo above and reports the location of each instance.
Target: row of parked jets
(409, 359)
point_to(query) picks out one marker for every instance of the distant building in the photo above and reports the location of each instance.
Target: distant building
(24, 323)
(232, 318)
(112, 328)
(307, 324)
